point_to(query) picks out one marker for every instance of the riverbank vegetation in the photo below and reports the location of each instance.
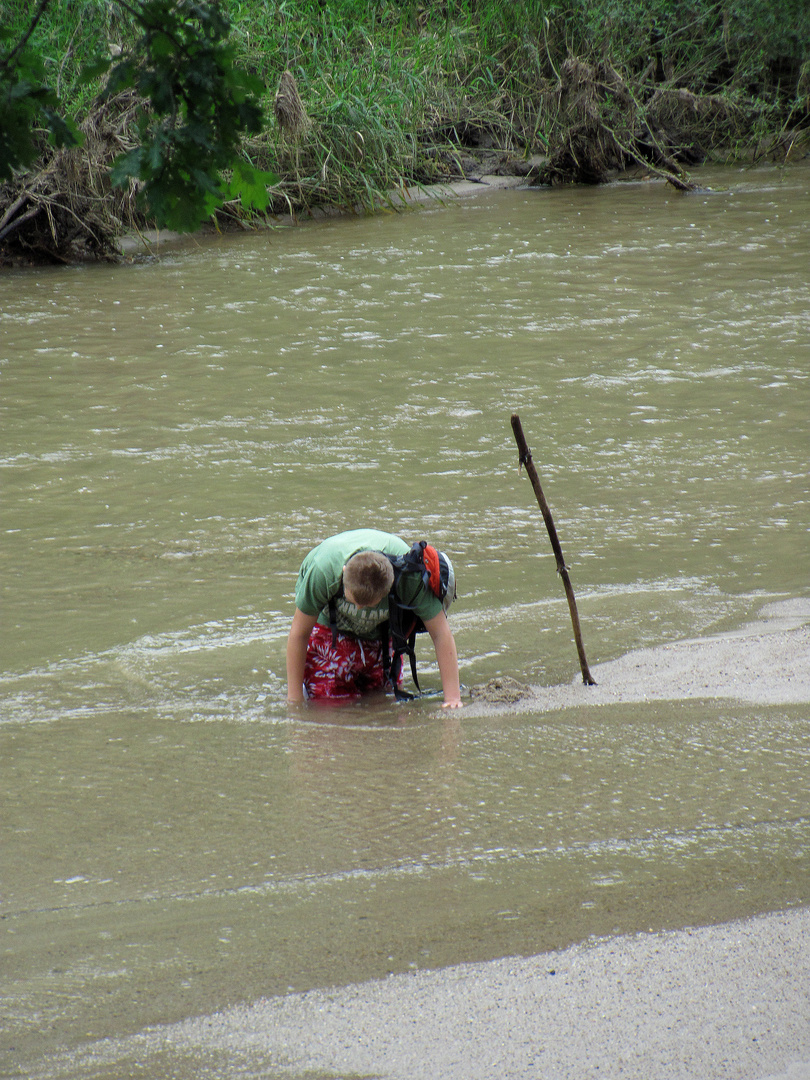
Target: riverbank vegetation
(359, 98)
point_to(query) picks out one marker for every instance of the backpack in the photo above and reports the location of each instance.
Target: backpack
(404, 624)
(436, 576)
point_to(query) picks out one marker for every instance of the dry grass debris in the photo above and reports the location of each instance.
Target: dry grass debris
(69, 211)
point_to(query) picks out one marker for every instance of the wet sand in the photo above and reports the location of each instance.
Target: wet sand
(728, 1001)
(731, 1001)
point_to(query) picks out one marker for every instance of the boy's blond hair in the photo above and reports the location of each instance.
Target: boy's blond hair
(368, 576)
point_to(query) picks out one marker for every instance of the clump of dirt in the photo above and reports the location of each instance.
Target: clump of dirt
(502, 690)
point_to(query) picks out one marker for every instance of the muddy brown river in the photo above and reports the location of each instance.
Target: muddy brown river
(175, 435)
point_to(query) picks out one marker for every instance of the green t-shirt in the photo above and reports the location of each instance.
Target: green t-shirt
(319, 579)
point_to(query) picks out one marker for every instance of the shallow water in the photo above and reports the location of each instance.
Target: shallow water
(177, 433)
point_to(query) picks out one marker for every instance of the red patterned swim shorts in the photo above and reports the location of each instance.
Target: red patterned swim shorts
(347, 669)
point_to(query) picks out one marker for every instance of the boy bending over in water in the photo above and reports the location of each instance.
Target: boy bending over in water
(352, 664)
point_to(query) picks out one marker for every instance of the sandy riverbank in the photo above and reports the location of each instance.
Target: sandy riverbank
(153, 241)
(766, 662)
(730, 1001)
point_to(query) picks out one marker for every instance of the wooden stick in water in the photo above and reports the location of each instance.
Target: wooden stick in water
(525, 458)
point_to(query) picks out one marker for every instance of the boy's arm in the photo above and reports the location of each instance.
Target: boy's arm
(447, 658)
(297, 653)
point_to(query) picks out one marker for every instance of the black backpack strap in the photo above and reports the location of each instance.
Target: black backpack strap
(332, 605)
(396, 669)
(411, 650)
(403, 626)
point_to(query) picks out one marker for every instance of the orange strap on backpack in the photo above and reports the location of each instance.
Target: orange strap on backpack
(433, 568)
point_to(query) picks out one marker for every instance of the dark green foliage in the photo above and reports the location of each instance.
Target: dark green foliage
(200, 104)
(705, 43)
(27, 104)
(197, 105)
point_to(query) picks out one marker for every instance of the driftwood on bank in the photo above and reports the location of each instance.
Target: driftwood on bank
(607, 129)
(592, 122)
